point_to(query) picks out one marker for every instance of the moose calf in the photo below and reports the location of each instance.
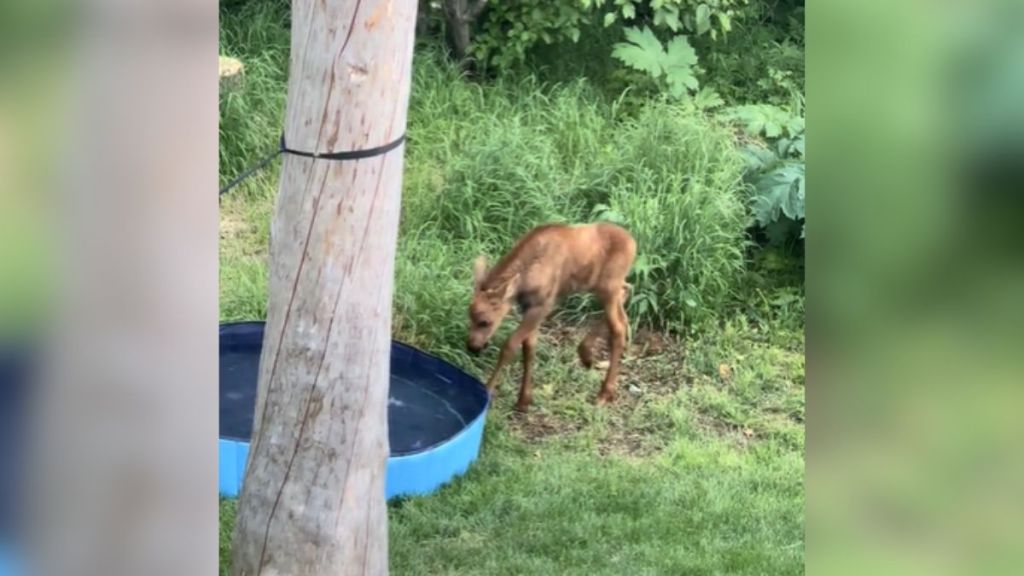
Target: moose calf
(549, 262)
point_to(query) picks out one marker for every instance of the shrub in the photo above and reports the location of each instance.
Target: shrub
(775, 167)
(677, 188)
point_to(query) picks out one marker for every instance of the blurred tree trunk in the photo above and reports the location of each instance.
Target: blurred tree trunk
(461, 16)
(423, 18)
(312, 501)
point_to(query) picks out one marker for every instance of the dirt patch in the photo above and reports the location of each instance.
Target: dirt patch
(651, 371)
(644, 343)
(538, 425)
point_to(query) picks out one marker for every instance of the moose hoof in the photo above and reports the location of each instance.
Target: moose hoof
(586, 358)
(604, 398)
(522, 407)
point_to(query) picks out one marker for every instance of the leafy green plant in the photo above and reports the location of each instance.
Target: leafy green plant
(505, 32)
(671, 65)
(780, 192)
(749, 51)
(713, 18)
(765, 120)
(508, 30)
(761, 61)
(775, 167)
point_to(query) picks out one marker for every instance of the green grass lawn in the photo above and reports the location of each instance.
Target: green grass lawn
(699, 467)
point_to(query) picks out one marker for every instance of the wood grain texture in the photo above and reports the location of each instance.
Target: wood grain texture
(313, 497)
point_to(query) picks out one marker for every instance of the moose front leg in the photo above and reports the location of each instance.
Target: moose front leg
(526, 389)
(527, 328)
(506, 354)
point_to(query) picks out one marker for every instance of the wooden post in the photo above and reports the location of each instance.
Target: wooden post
(313, 497)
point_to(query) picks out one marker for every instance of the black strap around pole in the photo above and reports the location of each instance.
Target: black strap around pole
(348, 155)
(283, 149)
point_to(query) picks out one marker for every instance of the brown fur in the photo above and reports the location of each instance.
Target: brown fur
(546, 264)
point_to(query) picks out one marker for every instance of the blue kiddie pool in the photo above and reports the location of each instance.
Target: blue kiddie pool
(436, 414)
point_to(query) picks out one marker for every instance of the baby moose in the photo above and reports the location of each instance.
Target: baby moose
(546, 264)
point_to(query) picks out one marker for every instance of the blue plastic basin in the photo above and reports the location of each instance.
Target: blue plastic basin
(436, 414)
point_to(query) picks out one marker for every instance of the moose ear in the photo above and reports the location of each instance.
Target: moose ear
(479, 271)
(511, 287)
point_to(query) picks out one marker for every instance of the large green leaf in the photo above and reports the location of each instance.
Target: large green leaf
(765, 119)
(679, 61)
(703, 19)
(641, 51)
(780, 192)
(798, 145)
(795, 126)
(707, 99)
(724, 20)
(671, 17)
(794, 147)
(758, 158)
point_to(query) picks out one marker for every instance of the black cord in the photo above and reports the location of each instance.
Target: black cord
(349, 155)
(250, 171)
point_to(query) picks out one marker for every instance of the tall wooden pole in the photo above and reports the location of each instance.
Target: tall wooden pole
(313, 497)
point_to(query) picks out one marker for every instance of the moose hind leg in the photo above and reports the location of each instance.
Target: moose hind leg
(616, 318)
(586, 347)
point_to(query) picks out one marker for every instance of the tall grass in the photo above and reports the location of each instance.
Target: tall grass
(250, 117)
(674, 188)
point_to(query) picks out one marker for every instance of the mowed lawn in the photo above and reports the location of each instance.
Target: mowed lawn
(699, 466)
(698, 469)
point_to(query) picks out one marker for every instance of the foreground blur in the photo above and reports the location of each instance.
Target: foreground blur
(108, 128)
